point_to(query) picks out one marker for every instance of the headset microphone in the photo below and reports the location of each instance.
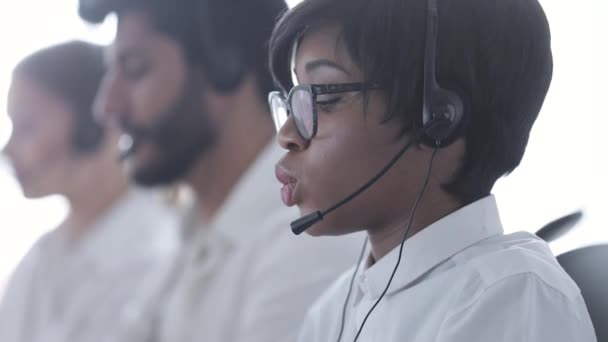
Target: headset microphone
(126, 147)
(135, 135)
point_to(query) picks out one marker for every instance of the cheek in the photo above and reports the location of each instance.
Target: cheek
(350, 147)
(341, 168)
(150, 99)
(158, 92)
(338, 164)
(42, 163)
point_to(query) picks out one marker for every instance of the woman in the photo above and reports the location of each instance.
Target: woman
(359, 86)
(93, 277)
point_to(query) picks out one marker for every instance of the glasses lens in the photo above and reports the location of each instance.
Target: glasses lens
(278, 108)
(301, 105)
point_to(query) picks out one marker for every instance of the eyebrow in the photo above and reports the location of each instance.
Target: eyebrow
(317, 63)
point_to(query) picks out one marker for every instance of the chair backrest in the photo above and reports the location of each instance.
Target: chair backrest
(588, 266)
(560, 227)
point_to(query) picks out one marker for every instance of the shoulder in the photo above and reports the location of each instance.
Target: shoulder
(513, 289)
(518, 256)
(24, 273)
(511, 269)
(41, 248)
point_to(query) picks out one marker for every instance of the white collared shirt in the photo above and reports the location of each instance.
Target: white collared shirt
(460, 280)
(101, 288)
(247, 278)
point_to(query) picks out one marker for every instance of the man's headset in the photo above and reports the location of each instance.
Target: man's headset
(199, 24)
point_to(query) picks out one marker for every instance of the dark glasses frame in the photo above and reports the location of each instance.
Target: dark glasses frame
(314, 90)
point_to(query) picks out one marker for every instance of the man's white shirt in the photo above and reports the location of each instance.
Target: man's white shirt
(246, 277)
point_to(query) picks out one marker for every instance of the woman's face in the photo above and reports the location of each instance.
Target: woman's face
(351, 145)
(40, 145)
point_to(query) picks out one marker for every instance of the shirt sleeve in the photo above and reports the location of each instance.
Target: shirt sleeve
(289, 278)
(520, 308)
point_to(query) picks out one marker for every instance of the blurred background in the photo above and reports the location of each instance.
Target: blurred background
(564, 169)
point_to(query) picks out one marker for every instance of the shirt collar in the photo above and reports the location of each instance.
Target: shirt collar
(251, 198)
(432, 246)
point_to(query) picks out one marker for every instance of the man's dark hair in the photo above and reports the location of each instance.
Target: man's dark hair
(495, 53)
(227, 38)
(71, 71)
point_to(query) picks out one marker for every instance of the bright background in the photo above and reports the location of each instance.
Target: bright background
(564, 168)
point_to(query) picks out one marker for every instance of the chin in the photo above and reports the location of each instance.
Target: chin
(30, 189)
(328, 227)
(317, 230)
(33, 193)
(334, 224)
(321, 228)
(158, 172)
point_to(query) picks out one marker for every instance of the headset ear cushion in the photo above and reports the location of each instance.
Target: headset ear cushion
(222, 58)
(226, 70)
(443, 124)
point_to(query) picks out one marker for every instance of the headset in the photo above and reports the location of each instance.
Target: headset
(443, 109)
(222, 57)
(441, 124)
(442, 117)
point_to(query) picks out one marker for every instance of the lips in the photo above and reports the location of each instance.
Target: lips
(289, 186)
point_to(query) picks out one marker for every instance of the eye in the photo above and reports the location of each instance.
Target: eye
(135, 70)
(327, 105)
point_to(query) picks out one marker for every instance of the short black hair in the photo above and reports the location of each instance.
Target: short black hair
(73, 72)
(212, 33)
(495, 53)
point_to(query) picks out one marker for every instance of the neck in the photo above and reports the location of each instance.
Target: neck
(434, 205)
(241, 140)
(99, 186)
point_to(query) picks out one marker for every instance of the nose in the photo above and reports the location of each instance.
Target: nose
(289, 138)
(109, 103)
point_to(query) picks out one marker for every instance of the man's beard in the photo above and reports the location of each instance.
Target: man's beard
(180, 137)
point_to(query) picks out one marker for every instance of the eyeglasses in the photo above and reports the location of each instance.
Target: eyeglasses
(301, 103)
